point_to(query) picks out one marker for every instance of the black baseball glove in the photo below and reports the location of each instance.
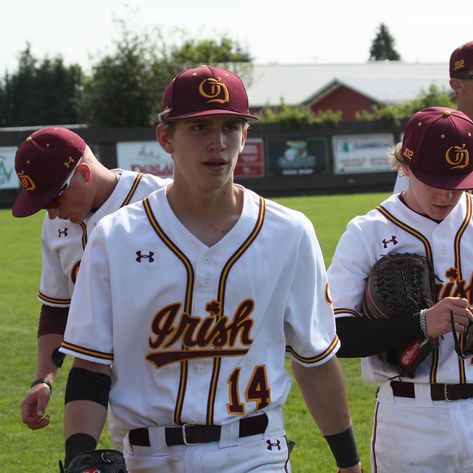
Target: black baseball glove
(96, 461)
(399, 286)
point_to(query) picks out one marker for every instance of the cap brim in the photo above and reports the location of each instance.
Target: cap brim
(170, 117)
(445, 181)
(26, 204)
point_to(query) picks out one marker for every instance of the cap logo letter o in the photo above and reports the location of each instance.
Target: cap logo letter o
(459, 158)
(214, 90)
(26, 182)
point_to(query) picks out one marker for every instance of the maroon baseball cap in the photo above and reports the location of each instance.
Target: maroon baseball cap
(461, 60)
(438, 147)
(203, 91)
(43, 162)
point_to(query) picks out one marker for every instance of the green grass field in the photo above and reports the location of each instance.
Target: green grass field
(25, 451)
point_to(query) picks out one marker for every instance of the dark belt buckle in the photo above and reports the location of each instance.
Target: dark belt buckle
(184, 434)
(445, 392)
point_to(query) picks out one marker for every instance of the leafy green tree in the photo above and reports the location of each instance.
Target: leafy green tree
(382, 47)
(120, 90)
(224, 52)
(126, 86)
(210, 51)
(40, 92)
(398, 114)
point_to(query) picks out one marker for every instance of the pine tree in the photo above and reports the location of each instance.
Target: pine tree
(382, 47)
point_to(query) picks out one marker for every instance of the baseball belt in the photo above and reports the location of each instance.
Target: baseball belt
(438, 392)
(191, 434)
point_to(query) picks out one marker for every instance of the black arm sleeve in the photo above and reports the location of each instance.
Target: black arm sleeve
(361, 336)
(52, 320)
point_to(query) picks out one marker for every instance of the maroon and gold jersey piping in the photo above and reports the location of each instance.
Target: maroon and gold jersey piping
(221, 301)
(187, 302)
(314, 359)
(134, 186)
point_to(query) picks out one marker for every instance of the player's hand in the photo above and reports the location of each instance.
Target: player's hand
(33, 407)
(438, 320)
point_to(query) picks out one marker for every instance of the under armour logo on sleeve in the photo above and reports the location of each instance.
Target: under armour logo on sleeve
(140, 256)
(393, 240)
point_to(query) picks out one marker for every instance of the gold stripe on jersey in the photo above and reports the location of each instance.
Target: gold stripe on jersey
(135, 185)
(221, 301)
(408, 229)
(428, 253)
(342, 310)
(458, 236)
(84, 234)
(53, 300)
(87, 351)
(187, 303)
(313, 359)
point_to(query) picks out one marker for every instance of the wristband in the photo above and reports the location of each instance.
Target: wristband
(343, 448)
(76, 444)
(42, 381)
(423, 322)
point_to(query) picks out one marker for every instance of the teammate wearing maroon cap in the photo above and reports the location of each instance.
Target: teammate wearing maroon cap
(58, 172)
(416, 427)
(461, 81)
(461, 77)
(192, 312)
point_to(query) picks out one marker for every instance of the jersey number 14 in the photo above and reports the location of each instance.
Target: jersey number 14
(257, 390)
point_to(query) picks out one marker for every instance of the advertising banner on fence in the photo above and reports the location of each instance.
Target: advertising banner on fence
(361, 153)
(8, 177)
(298, 157)
(251, 161)
(144, 156)
(149, 157)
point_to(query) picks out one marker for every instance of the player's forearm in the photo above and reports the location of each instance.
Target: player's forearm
(85, 417)
(45, 366)
(52, 323)
(86, 398)
(324, 392)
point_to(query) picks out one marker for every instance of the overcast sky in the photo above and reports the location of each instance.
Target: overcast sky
(294, 31)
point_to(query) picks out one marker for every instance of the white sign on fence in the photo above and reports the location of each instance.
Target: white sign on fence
(144, 156)
(362, 153)
(8, 177)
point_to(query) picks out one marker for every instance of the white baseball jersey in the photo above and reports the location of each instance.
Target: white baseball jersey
(393, 228)
(63, 242)
(196, 333)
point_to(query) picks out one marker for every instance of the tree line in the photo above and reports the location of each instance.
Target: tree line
(124, 87)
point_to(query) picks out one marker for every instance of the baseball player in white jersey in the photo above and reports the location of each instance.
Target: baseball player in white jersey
(187, 302)
(56, 160)
(425, 423)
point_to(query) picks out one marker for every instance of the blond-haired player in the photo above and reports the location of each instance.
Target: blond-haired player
(59, 172)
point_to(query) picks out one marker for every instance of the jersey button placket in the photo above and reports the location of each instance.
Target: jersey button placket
(206, 275)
